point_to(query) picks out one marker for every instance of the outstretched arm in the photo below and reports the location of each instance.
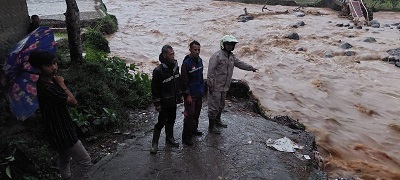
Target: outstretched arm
(242, 65)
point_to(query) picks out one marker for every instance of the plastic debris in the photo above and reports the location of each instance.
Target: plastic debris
(283, 144)
(307, 157)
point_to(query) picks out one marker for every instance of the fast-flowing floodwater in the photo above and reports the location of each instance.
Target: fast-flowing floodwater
(351, 103)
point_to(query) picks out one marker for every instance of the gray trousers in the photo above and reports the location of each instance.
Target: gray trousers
(79, 156)
(216, 103)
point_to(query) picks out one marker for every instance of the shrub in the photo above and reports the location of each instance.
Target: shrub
(94, 40)
(105, 88)
(107, 24)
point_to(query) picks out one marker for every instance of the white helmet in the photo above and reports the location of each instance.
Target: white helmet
(228, 38)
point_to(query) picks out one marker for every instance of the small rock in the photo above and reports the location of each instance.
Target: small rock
(346, 46)
(347, 25)
(300, 49)
(398, 27)
(329, 21)
(339, 25)
(374, 22)
(328, 55)
(294, 36)
(298, 24)
(299, 14)
(349, 53)
(358, 27)
(375, 25)
(351, 27)
(386, 25)
(370, 40)
(395, 24)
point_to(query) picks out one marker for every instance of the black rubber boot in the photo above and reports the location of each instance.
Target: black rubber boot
(219, 123)
(187, 140)
(212, 128)
(169, 132)
(154, 142)
(197, 132)
(187, 134)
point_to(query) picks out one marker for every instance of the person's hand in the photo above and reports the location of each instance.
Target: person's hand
(189, 99)
(158, 108)
(254, 69)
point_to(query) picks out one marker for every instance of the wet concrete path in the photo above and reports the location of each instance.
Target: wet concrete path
(240, 152)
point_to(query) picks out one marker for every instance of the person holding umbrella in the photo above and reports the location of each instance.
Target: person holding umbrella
(54, 97)
(19, 78)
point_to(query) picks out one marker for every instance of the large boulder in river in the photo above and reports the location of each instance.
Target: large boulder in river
(238, 89)
(394, 52)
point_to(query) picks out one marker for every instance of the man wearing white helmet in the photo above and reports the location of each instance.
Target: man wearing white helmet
(220, 71)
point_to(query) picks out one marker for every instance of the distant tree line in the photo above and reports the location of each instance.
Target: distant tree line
(385, 4)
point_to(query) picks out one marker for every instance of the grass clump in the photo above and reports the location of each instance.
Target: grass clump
(105, 87)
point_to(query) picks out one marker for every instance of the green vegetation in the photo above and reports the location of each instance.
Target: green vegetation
(389, 5)
(106, 89)
(108, 24)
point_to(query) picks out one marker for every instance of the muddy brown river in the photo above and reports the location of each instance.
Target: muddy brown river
(351, 103)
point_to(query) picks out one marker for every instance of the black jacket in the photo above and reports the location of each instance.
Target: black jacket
(165, 85)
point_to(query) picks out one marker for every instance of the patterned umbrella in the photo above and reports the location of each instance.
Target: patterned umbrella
(20, 77)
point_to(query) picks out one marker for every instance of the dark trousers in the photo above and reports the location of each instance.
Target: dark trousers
(192, 114)
(166, 117)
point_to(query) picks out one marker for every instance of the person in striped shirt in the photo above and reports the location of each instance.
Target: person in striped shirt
(54, 98)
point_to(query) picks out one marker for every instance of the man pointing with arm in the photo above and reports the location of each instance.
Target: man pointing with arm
(219, 77)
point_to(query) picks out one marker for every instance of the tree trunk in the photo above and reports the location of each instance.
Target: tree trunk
(72, 19)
